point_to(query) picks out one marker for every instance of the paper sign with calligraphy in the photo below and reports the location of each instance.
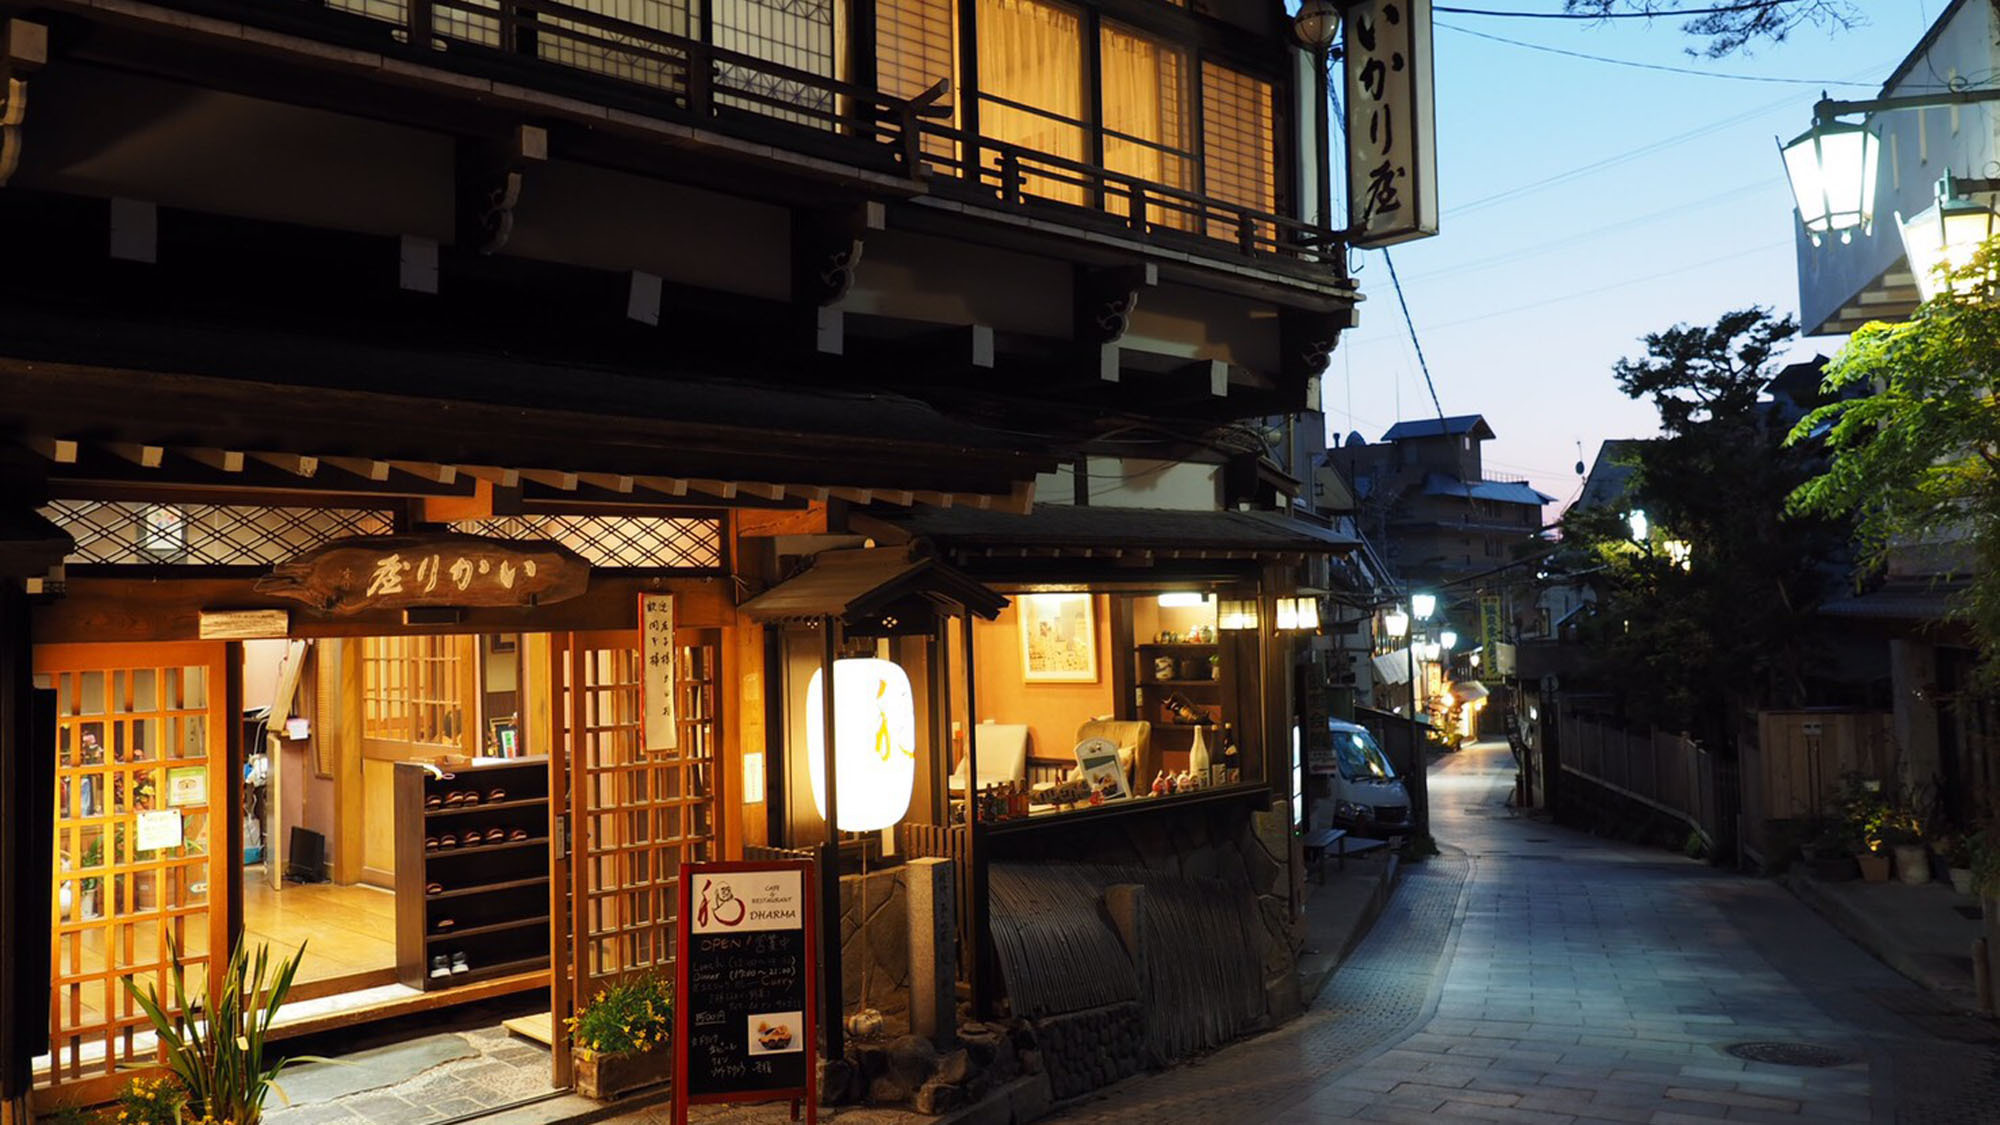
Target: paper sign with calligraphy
(400, 571)
(1492, 624)
(656, 684)
(1391, 123)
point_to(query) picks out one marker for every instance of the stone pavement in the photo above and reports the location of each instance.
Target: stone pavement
(1539, 975)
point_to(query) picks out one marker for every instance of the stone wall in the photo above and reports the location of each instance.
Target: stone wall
(882, 910)
(1096, 1047)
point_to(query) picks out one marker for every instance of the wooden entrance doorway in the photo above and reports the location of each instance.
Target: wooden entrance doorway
(142, 758)
(634, 815)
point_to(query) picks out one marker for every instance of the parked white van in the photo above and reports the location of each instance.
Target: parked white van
(1362, 789)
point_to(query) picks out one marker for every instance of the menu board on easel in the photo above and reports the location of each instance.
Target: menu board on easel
(745, 1021)
(656, 684)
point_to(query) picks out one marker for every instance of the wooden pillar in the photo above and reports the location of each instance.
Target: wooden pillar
(27, 859)
(980, 963)
(831, 955)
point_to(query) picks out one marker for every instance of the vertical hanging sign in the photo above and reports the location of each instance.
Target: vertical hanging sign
(1391, 123)
(657, 655)
(1492, 626)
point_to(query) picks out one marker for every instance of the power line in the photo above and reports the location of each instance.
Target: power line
(1653, 66)
(1422, 364)
(1659, 15)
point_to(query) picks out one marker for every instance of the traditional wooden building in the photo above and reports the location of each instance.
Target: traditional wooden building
(543, 307)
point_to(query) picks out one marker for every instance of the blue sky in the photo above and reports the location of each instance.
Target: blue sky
(1585, 205)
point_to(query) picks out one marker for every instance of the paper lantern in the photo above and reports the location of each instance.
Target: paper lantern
(875, 746)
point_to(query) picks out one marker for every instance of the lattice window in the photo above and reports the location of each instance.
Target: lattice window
(638, 814)
(1237, 136)
(139, 729)
(633, 542)
(628, 57)
(414, 690)
(123, 533)
(798, 34)
(916, 44)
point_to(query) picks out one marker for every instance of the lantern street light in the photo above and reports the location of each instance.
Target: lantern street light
(1833, 165)
(1397, 624)
(1449, 639)
(1940, 239)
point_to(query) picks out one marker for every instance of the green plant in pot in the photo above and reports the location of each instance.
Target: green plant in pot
(623, 1037)
(215, 1044)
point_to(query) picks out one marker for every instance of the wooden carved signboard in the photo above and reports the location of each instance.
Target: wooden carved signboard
(745, 1023)
(400, 571)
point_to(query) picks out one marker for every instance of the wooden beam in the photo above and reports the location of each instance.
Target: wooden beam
(665, 486)
(367, 468)
(761, 489)
(560, 480)
(726, 489)
(297, 464)
(429, 470)
(144, 456)
(60, 450)
(610, 482)
(221, 460)
(504, 478)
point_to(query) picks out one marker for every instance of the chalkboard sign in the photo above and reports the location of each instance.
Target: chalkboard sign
(745, 1024)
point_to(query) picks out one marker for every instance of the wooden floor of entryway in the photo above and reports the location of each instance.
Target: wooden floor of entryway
(345, 930)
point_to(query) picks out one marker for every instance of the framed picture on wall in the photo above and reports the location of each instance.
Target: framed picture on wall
(1058, 638)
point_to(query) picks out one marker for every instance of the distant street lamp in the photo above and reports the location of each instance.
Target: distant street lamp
(1940, 239)
(1449, 639)
(1397, 624)
(1637, 521)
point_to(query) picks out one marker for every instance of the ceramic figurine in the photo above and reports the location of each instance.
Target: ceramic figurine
(1160, 784)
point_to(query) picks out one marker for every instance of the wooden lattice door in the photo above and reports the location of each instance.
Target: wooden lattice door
(634, 815)
(140, 729)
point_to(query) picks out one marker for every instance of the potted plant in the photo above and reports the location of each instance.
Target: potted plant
(1903, 835)
(622, 1037)
(215, 1044)
(1955, 851)
(152, 1101)
(1828, 850)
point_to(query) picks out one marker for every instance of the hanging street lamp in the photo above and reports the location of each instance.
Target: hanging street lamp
(1940, 239)
(1832, 169)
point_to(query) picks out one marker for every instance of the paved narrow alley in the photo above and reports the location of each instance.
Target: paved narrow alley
(1533, 974)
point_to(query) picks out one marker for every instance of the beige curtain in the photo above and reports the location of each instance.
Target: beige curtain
(1031, 53)
(1145, 97)
(1237, 143)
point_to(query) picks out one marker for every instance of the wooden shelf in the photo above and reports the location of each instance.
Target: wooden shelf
(509, 897)
(457, 934)
(514, 803)
(1176, 644)
(1180, 683)
(488, 888)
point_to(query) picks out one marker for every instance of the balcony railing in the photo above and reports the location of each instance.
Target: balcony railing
(738, 92)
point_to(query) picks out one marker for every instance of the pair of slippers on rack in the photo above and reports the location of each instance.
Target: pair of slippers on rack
(473, 838)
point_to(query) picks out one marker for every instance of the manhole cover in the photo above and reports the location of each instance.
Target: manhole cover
(1790, 1054)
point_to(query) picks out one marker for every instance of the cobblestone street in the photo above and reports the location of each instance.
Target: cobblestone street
(1583, 981)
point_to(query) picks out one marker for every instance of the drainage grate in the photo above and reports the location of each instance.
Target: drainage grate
(1790, 1054)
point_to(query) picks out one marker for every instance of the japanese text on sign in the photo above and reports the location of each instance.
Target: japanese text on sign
(1391, 138)
(657, 653)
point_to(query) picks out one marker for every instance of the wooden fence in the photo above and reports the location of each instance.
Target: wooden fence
(1793, 763)
(1665, 770)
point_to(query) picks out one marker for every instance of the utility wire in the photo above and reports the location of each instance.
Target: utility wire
(1653, 66)
(1663, 14)
(1422, 365)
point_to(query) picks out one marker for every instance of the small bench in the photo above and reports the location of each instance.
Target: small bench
(1316, 844)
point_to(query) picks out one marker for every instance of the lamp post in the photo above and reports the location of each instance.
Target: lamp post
(1317, 26)
(1397, 624)
(1833, 166)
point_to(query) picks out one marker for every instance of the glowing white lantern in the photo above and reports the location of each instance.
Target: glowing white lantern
(1943, 237)
(875, 748)
(1423, 605)
(1832, 168)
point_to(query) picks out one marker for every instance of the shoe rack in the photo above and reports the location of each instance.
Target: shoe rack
(472, 873)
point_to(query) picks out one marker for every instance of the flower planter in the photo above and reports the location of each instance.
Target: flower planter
(606, 1076)
(1913, 864)
(1874, 867)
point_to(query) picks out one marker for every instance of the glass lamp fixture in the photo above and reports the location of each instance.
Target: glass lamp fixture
(1396, 623)
(1448, 638)
(1832, 170)
(1181, 599)
(1236, 614)
(1423, 605)
(875, 744)
(1317, 24)
(1943, 237)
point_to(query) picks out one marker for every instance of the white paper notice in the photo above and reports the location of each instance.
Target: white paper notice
(158, 830)
(656, 653)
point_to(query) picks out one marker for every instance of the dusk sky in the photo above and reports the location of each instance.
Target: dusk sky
(1586, 204)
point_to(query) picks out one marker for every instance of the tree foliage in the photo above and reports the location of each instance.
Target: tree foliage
(1917, 462)
(1714, 610)
(1730, 25)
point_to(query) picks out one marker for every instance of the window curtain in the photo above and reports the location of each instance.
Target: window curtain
(1031, 53)
(1237, 138)
(1145, 100)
